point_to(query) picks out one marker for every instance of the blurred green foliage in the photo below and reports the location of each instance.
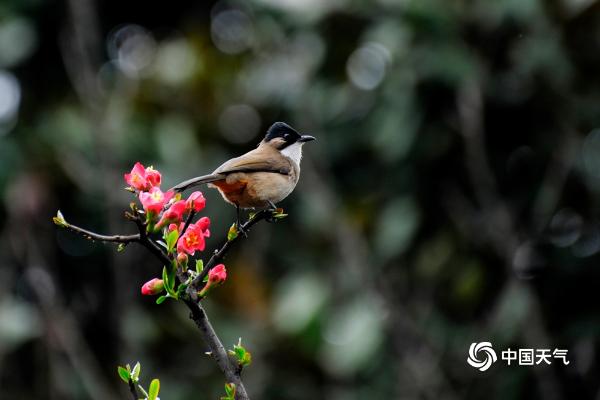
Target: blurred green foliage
(451, 196)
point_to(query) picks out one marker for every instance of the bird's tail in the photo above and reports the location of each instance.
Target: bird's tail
(200, 180)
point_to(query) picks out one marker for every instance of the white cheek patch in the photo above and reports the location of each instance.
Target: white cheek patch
(294, 152)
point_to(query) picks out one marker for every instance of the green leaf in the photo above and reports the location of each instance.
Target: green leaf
(279, 214)
(123, 374)
(153, 389)
(242, 356)
(171, 239)
(199, 266)
(59, 220)
(230, 391)
(135, 373)
(232, 233)
(161, 299)
(121, 247)
(168, 276)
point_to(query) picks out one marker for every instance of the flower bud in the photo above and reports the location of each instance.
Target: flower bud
(152, 287)
(182, 259)
(152, 177)
(216, 276)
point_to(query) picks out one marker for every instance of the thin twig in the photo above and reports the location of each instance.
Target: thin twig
(133, 390)
(188, 221)
(125, 239)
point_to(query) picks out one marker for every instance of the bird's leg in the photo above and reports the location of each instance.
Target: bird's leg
(273, 208)
(238, 222)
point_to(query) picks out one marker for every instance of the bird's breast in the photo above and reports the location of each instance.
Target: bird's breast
(256, 189)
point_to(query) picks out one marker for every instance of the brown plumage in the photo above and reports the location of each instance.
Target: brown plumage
(261, 177)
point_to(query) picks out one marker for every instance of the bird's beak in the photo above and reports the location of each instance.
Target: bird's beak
(306, 138)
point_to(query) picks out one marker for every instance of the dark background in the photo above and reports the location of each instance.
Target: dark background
(451, 196)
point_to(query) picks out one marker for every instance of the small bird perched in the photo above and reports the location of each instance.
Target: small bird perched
(262, 177)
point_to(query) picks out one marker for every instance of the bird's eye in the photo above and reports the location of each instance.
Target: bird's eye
(286, 136)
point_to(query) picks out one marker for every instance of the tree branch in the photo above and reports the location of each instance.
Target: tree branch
(125, 239)
(217, 350)
(197, 313)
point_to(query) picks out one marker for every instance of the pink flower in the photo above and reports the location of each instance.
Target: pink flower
(141, 178)
(137, 177)
(152, 177)
(154, 200)
(193, 238)
(216, 276)
(173, 214)
(196, 202)
(152, 287)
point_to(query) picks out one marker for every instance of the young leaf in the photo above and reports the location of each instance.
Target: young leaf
(230, 391)
(161, 299)
(242, 356)
(123, 374)
(168, 276)
(121, 247)
(135, 373)
(199, 266)
(232, 233)
(153, 389)
(171, 239)
(59, 220)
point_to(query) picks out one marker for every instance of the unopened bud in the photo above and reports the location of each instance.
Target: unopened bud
(152, 287)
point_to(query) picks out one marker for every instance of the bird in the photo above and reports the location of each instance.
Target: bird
(262, 177)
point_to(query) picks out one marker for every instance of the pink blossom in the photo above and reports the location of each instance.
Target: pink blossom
(137, 177)
(141, 178)
(196, 202)
(173, 214)
(154, 200)
(152, 287)
(193, 238)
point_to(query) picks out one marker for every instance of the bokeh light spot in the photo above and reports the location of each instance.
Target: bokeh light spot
(10, 98)
(239, 123)
(367, 65)
(232, 31)
(133, 47)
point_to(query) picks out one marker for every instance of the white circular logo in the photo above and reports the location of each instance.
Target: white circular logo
(485, 350)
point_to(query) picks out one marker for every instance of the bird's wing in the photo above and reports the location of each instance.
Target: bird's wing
(254, 161)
